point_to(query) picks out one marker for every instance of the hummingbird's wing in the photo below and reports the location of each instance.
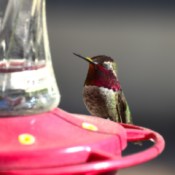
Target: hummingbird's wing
(122, 107)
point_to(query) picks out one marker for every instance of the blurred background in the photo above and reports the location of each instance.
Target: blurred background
(140, 36)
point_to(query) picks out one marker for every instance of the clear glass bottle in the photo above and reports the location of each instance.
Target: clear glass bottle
(27, 80)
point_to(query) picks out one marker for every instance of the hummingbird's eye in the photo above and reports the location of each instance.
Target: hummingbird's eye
(107, 65)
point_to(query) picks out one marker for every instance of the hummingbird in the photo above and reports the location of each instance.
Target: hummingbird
(102, 92)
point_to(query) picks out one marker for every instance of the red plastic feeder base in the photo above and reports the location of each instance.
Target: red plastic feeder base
(58, 142)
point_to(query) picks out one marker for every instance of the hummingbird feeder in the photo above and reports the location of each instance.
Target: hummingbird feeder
(37, 137)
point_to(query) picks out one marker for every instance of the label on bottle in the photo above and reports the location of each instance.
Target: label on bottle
(28, 80)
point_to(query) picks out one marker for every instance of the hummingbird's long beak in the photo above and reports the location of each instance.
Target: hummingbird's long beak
(88, 59)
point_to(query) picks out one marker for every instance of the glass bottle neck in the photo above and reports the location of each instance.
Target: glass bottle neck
(24, 33)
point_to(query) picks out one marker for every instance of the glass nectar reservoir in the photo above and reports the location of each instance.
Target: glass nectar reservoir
(27, 80)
